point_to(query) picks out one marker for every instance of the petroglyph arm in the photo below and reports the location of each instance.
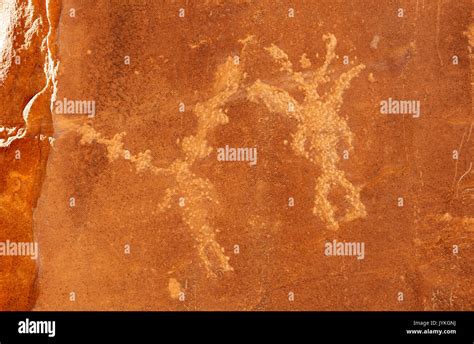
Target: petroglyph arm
(276, 99)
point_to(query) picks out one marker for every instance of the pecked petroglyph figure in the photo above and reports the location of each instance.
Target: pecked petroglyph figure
(319, 126)
(196, 193)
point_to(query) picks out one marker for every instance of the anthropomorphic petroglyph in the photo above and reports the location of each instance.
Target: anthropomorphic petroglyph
(319, 126)
(195, 193)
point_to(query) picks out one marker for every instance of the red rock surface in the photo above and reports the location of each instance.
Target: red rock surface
(145, 176)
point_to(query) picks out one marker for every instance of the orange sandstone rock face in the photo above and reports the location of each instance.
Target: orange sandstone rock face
(238, 155)
(27, 78)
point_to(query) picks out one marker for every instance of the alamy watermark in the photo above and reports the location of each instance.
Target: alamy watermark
(75, 107)
(335, 248)
(37, 327)
(402, 107)
(11, 248)
(237, 154)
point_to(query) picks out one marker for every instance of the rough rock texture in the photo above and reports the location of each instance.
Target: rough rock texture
(137, 212)
(26, 88)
